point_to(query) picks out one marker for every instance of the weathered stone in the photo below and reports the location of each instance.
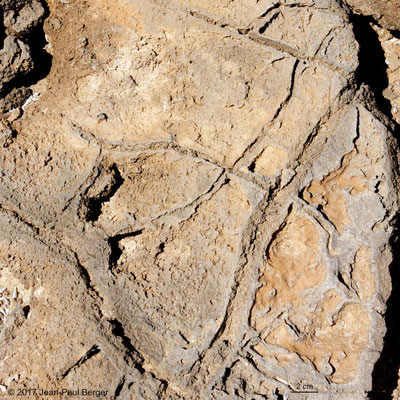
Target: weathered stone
(24, 20)
(387, 13)
(391, 48)
(15, 59)
(197, 202)
(18, 19)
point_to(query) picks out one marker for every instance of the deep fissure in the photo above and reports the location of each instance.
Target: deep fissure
(36, 41)
(386, 370)
(119, 331)
(115, 247)
(372, 71)
(94, 205)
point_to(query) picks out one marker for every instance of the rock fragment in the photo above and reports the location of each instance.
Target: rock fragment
(201, 202)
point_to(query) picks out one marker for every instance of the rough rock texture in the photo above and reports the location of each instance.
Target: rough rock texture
(20, 22)
(386, 12)
(391, 47)
(199, 201)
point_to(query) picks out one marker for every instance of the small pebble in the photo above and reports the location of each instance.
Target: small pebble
(14, 115)
(55, 23)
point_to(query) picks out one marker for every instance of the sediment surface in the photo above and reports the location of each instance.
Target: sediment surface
(198, 200)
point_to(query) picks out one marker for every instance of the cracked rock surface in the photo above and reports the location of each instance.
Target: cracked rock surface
(20, 20)
(198, 200)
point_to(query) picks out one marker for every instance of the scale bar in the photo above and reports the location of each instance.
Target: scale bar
(305, 391)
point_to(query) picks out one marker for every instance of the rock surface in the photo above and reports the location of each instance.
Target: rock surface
(386, 12)
(20, 21)
(198, 202)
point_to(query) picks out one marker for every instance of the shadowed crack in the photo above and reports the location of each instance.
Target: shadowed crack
(290, 93)
(372, 71)
(83, 272)
(119, 387)
(386, 371)
(267, 23)
(94, 204)
(227, 374)
(115, 248)
(21, 218)
(89, 354)
(119, 331)
(283, 104)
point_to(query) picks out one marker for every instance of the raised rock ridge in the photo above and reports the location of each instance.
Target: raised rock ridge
(199, 201)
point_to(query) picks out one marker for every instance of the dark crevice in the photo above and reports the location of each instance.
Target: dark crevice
(320, 209)
(278, 395)
(277, 232)
(119, 387)
(273, 7)
(227, 374)
(247, 150)
(395, 34)
(94, 205)
(290, 94)
(36, 41)
(252, 166)
(26, 310)
(264, 27)
(163, 386)
(161, 248)
(341, 280)
(372, 69)
(386, 370)
(115, 248)
(42, 59)
(119, 331)
(20, 218)
(83, 272)
(89, 354)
